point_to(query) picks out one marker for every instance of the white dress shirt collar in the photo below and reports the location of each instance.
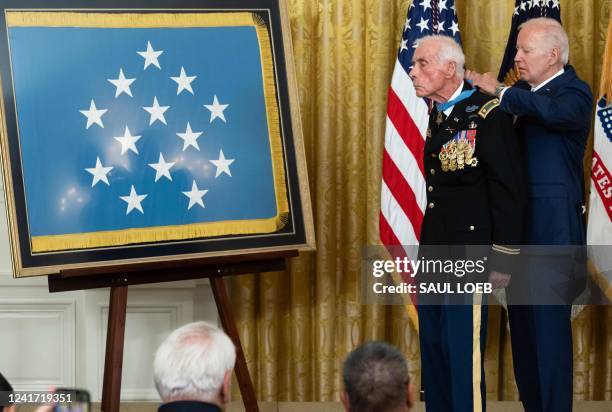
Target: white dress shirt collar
(539, 86)
(448, 111)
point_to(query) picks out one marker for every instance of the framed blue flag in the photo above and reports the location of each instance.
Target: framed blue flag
(133, 135)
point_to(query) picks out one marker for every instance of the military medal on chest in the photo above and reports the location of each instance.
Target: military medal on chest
(459, 152)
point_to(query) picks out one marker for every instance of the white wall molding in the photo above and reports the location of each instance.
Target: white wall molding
(38, 343)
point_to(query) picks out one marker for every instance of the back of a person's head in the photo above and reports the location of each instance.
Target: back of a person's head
(376, 379)
(192, 362)
(5, 386)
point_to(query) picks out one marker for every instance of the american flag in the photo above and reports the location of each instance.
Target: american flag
(403, 194)
(523, 11)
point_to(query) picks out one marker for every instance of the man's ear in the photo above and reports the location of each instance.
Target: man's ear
(226, 389)
(451, 70)
(409, 396)
(555, 55)
(345, 401)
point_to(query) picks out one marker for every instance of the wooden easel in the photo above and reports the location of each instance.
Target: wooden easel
(118, 278)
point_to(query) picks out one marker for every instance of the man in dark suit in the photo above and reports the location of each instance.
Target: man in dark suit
(553, 110)
(474, 197)
(193, 369)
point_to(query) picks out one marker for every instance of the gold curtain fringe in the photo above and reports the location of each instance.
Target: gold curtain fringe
(605, 88)
(156, 234)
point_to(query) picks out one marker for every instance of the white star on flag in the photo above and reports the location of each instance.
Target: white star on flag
(133, 201)
(190, 138)
(407, 24)
(555, 4)
(195, 196)
(157, 112)
(216, 109)
(184, 82)
(150, 56)
(426, 5)
(162, 168)
(442, 5)
(122, 84)
(99, 172)
(222, 164)
(128, 142)
(423, 24)
(441, 27)
(93, 115)
(454, 27)
(404, 45)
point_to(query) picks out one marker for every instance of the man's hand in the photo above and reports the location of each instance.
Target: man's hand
(485, 82)
(499, 280)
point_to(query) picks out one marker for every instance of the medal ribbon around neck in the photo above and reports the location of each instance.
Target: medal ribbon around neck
(447, 105)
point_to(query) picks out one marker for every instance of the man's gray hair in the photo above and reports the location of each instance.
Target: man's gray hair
(450, 51)
(192, 362)
(553, 34)
(376, 378)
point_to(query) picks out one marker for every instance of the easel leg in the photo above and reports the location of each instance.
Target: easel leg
(227, 320)
(113, 362)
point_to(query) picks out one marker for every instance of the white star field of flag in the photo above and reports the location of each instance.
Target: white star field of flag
(209, 109)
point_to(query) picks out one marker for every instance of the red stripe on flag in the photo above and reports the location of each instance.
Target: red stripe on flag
(396, 252)
(406, 128)
(602, 180)
(403, 193)
(386, 233)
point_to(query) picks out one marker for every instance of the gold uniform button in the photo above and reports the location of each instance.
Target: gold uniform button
(434, 155)
(471, 227)
(430, 189)
(432, 171)
(431, 205)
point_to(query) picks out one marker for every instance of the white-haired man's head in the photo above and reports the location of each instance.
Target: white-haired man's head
(195, 363)
(542, 49)
(437, 64)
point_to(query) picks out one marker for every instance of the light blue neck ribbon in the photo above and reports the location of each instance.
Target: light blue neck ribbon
(447, 105)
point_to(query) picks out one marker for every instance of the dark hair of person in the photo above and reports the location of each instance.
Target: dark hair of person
(376, 378)
(5, 386)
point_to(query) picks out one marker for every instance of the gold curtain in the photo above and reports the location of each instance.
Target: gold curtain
(298, 325)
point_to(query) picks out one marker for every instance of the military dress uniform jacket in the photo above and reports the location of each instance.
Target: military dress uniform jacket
(475, 183)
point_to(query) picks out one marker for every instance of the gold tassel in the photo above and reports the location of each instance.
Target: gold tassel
(605, 88)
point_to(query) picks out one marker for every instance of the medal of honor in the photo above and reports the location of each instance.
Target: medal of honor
(439, 119)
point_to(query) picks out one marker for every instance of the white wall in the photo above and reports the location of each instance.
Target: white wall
(58, 339)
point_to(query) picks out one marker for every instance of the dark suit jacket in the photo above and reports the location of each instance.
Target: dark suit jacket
(553, 125)
(481, 203)
(188, 406)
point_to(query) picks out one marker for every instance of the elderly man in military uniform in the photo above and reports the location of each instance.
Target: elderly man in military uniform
(475, 196)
